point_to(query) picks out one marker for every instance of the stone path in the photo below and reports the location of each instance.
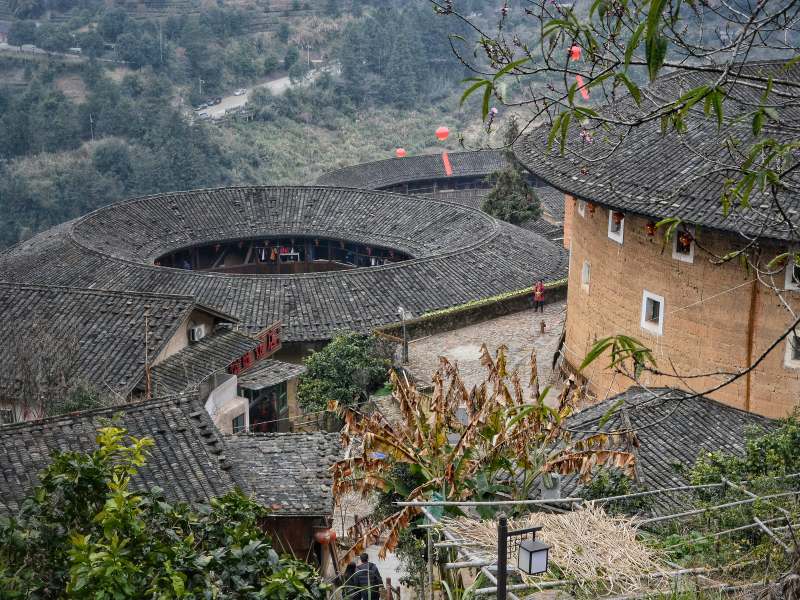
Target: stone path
(520, 332)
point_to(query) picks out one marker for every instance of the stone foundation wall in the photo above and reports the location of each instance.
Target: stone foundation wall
(457, 317)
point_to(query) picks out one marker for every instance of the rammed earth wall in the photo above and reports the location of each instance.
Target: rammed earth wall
(712, 322)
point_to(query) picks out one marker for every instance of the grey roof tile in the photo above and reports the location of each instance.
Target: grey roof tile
(673, 429)
(674, 175)
(266, 373)
(186, 369)
(460, 255)
(287, 472)
(108, 327)
(185, 461)
(394, 171)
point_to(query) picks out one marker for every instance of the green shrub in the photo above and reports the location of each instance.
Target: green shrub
(84, 533)
(345, 371)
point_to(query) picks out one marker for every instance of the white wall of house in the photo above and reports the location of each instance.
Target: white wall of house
(224, 405)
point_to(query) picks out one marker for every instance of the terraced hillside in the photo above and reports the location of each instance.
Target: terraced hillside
(263, 15)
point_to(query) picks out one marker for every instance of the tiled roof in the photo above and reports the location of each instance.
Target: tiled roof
(185, 370)
(188, 459)
(393, 171)
(545, 229)
(287, 472)
(266, 373)
(551, 199)
(672, 430)
(460, 255)
(384, 174)
(108, 327)
(670, 175)
(552, 202)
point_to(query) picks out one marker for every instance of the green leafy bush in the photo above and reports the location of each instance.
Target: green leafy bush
(766, 456)
(346, 371)
(606, 484)
(84, 533)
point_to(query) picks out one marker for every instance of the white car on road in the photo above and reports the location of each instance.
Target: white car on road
(240, 92)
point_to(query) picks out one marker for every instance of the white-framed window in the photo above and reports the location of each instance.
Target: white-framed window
(581, 204)
(652, 313)
(792, 359)
(586, 275)
(792, 272)
(616, 225)
(683, 244)
(238, 424)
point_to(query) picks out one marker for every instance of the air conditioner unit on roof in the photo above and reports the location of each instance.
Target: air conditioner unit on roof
(197, 333)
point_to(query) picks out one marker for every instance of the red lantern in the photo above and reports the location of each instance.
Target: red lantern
(582, 87)
(400, 152)
(685, 239)
(575, 52)
(617, 217)
(442, 133)
(325, 536)
(650, 228)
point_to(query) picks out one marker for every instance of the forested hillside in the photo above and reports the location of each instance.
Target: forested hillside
(80, 130)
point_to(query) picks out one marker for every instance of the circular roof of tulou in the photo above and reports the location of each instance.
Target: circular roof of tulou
(459, 254)
(647, 171)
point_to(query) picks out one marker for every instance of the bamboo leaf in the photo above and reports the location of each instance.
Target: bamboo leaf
(475, 86)
(633, 43)
(655, 43)
(717, 101)
(565, 130)
(633, 89)
(511, 66)
(487, 98)
(599, 347)
(778, 260)
(758, 121)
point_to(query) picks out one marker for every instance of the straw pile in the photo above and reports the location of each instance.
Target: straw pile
(598, 553)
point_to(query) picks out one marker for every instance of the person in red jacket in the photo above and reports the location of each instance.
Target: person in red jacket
(538, 296)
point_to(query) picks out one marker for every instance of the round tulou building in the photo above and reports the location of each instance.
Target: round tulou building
(467, 182)
(705, 320)
(317, 259)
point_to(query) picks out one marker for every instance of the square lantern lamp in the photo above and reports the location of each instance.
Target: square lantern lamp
(533, 557)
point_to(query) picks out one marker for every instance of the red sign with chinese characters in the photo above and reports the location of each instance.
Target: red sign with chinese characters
(270, 339)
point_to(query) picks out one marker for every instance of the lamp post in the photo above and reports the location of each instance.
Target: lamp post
(532, 556)
(403, 316)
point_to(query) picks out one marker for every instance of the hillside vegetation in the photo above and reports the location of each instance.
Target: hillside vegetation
(80, 133)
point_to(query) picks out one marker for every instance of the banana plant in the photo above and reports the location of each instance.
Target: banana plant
(488, 442)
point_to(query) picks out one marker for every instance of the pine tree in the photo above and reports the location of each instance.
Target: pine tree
(512, 199)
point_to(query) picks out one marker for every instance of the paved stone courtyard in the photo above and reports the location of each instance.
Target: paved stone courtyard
(520, 332)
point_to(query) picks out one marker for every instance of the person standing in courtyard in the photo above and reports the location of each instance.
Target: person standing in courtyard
(538, 296)
(368, 579)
